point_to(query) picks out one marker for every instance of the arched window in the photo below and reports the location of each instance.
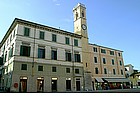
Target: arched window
(96, 71)
(76, 15)
(83, 14)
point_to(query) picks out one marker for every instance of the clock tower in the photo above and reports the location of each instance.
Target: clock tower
(80, 24)
(80, 27)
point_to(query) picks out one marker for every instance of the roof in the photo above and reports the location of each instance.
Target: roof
(105, 47)
(79, 4)
(128, 65)
(36, 25)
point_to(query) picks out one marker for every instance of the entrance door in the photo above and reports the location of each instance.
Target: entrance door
(77, 85)
(23, 85)
(54, 85)
(68, 85)
(40, 85)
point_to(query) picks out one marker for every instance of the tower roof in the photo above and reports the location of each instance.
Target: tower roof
(79, 4)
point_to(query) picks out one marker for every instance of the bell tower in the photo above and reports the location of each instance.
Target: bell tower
(80, 24)
(80, 27)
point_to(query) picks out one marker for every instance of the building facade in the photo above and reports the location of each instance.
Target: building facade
(108, 69)
(39, 58)
(103, 66)
(133, 75)
(80, 27)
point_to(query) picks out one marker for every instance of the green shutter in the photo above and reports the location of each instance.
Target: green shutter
(41, 35)
(1, 61)
(54, 37)
(21, 50)
(67, 41)
(26, 31)
(75, 42)
(29, 51)
(23, 66)
(40, 68)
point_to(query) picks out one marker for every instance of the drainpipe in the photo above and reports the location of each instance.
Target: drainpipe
(33, 52)
(73, 76)
(117, 63)
(83, 81)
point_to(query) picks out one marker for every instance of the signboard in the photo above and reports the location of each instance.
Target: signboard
(15, 85)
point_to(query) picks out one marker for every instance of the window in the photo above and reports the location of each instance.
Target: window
(54, 54)
(120, 63)
(77, 71)
(7, 41)
(112, 61)
(25, 50)
(76, 15)
(82, 13)
(68, 56)
(75, 42)
(40, 68)
(77, 57)
(104, 61)
(23, 66)
(121, 72)
(119, 54)
(114, 71)
(41, 53)
(111, 52)
(5, 57)
(95, 60)
(103, 51)
(11, 38)
(1, 62)
(105, 71)
(53, 69)
(11, 52)
(14, 33)
(96, 71)
(42, 35)
(6, 69)
(54, 38)
(67, 40)
(67, 70)
(95, 49)
(26, 31)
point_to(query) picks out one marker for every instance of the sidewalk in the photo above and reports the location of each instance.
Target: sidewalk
(133, 90)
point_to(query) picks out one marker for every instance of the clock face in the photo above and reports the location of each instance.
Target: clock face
(84, 27)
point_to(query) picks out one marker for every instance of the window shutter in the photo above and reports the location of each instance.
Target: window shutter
(21, 50)
(28, 51)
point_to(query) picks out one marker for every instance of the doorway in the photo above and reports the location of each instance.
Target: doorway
(40, 84)
(54, 84)
(77, 84)
(23, 84)
(68, 84)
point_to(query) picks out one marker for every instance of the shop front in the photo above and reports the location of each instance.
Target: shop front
(117, 83)
(110, 83)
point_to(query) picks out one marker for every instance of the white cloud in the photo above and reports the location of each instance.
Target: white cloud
(58, 4)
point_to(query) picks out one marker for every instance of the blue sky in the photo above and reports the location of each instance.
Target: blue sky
(111, 23)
